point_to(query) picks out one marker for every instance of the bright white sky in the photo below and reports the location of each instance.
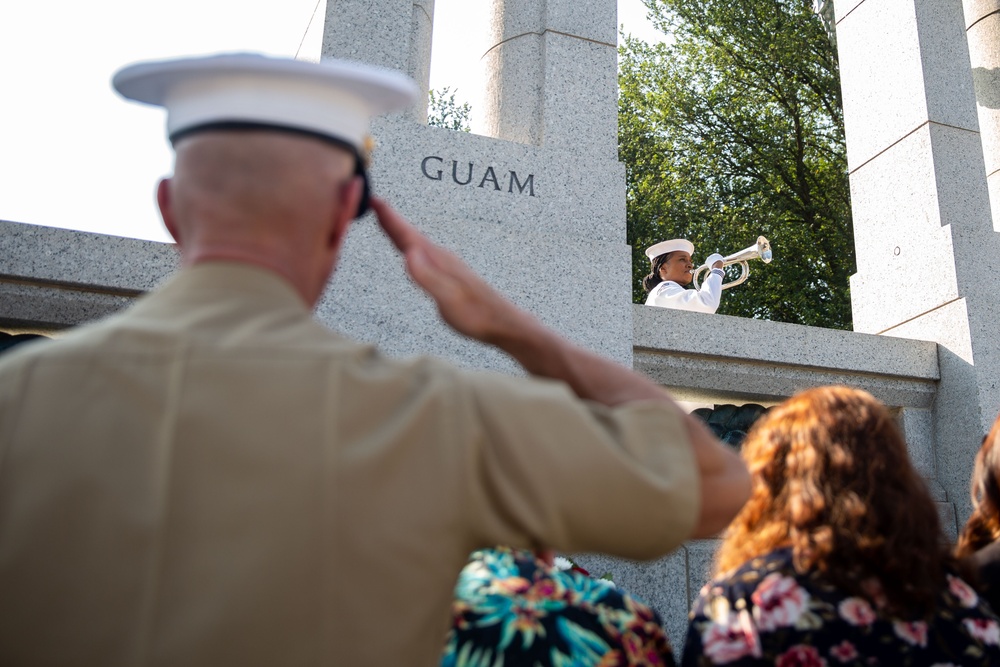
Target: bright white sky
(73, 154)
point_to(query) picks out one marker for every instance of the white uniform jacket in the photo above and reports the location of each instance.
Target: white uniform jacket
(669, 294)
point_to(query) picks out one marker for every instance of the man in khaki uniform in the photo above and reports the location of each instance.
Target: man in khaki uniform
(214, 478)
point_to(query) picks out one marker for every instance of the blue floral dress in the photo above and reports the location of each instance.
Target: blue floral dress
(765, 613)
(513, 609)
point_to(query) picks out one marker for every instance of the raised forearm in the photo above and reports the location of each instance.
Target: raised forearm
(725, 482)
(544, 353)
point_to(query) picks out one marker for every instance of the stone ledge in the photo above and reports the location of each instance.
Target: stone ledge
(704, 379)
(84, 260)
(776, 344)
(48, 307)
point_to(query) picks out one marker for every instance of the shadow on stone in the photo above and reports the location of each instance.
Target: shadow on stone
(987, 82)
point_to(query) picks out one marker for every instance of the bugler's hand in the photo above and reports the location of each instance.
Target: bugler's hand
(714, 260)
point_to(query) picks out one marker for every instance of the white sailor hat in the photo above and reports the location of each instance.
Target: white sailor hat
(333, 99)
(672, 245)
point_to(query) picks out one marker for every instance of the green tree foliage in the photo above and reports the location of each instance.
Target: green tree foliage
(735, 129)
(444, 111)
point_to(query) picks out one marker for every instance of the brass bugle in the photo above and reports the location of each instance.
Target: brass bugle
(760, 250)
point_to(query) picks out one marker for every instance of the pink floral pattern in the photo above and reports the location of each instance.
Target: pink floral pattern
(844, 651)
(732, 638)
(912, 632)
(963, 591)
(985, 630)
(856, 611)
(798, 619)
(778, 601)
(800, 656)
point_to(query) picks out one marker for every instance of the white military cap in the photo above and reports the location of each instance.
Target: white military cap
(672, 245)
(334, 99)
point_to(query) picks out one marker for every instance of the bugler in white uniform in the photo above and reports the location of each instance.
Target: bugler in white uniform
(671, 294)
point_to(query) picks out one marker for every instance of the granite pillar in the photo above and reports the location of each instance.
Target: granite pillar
(419, 63)
(982, 20)
(552, 75)
(388, 33)
(928, 256)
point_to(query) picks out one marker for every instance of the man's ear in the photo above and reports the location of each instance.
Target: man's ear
(166, 208)
(349, 197)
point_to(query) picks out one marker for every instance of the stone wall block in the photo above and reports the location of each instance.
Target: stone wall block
(842, 8)
(984, 48)
(426, 172)
(993, 184)
(552, 75)
(958, 411)
(949, 522)
(371, 299)
(983, 19)
(595, 20)
(926, 79)
(918, 430)
(580, 98)
(948, 87)
(419, 60)
(82, 259)
(376, 32)
(779, 345)
(874, 86)
(512, 18)
(898, 228)
(53, 307)
(960, 183)
(513, 109)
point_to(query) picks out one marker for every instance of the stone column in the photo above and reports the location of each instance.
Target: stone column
(928, 257)
(982, 20)
(552, 75)
(419, 65)
(388, 33)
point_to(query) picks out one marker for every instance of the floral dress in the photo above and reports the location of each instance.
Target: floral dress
(765, 613)
(513, 609)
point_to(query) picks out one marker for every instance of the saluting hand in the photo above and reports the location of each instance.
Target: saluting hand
(466, 302)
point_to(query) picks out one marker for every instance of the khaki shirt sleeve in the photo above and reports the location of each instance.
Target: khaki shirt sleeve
(551, 470)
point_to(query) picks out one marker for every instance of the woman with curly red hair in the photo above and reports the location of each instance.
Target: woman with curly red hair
(838, 557)
(979, 542)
